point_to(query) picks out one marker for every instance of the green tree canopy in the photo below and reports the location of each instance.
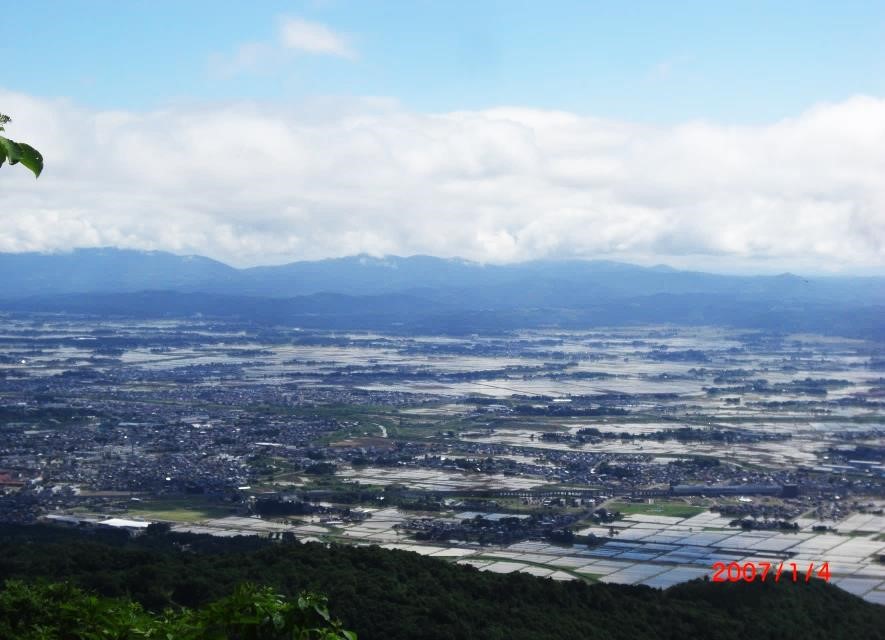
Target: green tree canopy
(19, 152)
(61, 611)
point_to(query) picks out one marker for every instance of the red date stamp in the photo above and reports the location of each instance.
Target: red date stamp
(762, 571)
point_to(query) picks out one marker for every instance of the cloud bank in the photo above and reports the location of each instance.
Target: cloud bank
(253, 184)
(312, 37)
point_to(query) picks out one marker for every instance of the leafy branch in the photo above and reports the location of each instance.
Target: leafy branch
(19, 152)
(62, 611)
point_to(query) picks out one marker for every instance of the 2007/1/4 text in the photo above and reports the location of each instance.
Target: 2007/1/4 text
(750, 571)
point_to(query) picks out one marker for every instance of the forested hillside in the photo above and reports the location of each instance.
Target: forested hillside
(391, 594)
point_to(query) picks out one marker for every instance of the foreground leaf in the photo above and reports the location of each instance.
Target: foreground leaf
(15, 152)
(31, 158)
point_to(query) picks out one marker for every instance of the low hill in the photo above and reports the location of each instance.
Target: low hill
(415, 313)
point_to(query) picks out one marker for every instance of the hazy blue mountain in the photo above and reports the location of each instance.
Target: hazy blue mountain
(422, 293)
(537, 283)
(107, 270)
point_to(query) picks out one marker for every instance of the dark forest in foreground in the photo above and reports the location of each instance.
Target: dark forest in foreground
(392, 594)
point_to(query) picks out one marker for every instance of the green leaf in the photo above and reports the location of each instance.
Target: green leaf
(31, 158)
(13, 150)
(322, 611)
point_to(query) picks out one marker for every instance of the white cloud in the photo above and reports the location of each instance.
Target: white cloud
(259, 184)
(313, 37)
(294, 36)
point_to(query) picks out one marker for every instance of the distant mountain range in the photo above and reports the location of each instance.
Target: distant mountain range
(427, 293)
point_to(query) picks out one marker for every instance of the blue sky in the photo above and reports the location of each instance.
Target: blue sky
(648, 61)
(742, 136)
